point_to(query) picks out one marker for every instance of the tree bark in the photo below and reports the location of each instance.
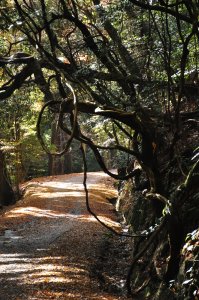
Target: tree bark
(6, 193)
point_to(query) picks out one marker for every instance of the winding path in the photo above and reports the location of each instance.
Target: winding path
(49, 243)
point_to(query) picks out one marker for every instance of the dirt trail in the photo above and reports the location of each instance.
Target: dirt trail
(50, 245)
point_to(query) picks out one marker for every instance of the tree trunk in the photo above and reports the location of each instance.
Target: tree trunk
(6, 193)
(59, 164)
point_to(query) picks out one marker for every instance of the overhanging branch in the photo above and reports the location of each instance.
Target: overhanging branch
(163, 9)
(17, 82)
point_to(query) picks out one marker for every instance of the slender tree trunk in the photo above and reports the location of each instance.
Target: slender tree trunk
(6, 193)
(19, 167)
(59, 164)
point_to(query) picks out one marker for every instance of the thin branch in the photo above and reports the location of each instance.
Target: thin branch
(123, 130)
(74, 125)
(162, 9)
(88, 204)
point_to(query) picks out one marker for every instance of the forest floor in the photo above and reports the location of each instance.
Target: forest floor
(52, 248)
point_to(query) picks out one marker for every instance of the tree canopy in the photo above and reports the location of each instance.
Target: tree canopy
(132, 62)
(118, 76)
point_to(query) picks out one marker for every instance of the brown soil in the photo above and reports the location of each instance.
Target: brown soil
(51, 248)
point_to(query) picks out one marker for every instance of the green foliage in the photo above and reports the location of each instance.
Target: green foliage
(81, 40)
(24, 154)
(103, 132)
(133, 67)
(189, 287)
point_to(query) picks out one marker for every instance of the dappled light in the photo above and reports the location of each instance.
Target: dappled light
(36, 212)
(99, 85)
(54, 213)
(31, 270)
(41, 274)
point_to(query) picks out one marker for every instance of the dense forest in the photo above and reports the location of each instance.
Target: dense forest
(103, 85)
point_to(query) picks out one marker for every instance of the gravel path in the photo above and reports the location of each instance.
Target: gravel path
(50, 247)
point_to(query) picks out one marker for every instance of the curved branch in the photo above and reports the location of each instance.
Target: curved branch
(88, 205)
(158, 197)
(74, 116)
(163, 9)
(128, 118)
(18, 81)
(95, 150)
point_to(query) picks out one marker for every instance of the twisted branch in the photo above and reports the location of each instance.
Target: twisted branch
(74, 125)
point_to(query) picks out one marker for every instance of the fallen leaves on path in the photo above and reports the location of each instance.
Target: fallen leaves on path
(49, 243)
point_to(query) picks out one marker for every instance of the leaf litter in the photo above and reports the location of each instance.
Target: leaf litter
(51, 248)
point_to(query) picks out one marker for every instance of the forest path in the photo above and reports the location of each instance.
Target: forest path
(50, 246)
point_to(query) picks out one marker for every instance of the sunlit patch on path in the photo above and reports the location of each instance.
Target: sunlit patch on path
(48, 241)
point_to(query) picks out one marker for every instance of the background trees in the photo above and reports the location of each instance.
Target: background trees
(118, 76)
